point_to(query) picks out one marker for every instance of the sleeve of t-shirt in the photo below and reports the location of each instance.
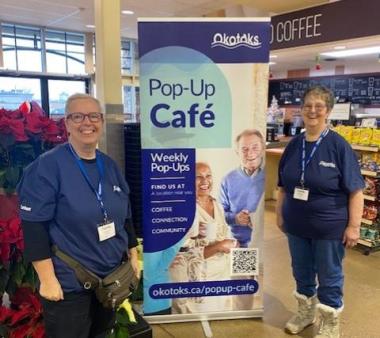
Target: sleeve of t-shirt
(132, 238)
(36, 241)
(37, 191)
(352, 180)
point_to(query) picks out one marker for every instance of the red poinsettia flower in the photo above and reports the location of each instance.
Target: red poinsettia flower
(10, 234)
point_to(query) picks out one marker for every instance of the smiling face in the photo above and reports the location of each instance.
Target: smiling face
(203, 180)
(315, 112)
(85, 134)
(250, 151)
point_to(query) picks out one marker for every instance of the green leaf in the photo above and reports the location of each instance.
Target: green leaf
(30, 277)
(12, 176)
(4, 277)
(122, 332)
(18, 272)
(122, 317)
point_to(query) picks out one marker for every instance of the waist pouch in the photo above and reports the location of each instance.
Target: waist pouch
(110, 291)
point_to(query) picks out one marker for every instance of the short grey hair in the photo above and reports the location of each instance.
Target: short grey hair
(81, 96)
(320, 91)
(250, 132)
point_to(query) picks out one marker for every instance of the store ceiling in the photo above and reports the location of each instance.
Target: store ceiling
(76, 14)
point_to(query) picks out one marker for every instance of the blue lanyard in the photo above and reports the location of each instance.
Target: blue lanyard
(100, 165)
(305, 162)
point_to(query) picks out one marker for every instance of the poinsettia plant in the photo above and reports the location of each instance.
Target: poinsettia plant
(25, 133)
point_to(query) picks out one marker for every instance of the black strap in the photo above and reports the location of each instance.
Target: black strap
(86, 277)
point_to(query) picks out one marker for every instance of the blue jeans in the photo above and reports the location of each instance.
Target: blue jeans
(314, 259)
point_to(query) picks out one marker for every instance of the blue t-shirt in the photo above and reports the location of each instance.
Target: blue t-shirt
(332, 174)
(53, 189)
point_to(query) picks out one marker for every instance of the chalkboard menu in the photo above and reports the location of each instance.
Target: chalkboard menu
(360, 88)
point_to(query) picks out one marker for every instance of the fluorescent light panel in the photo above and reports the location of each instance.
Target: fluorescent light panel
(353, 52)
(128, 12)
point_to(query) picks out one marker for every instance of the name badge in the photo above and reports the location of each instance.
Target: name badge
(106, 231)
(301, 194)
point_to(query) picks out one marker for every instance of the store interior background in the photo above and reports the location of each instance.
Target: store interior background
(73, 21)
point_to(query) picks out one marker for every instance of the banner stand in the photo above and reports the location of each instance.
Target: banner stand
(204, 94)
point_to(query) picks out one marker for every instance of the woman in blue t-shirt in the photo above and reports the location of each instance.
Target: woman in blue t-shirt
(319, 207)
(74, 197)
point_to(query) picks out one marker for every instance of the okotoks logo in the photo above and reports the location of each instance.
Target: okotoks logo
(234, 41)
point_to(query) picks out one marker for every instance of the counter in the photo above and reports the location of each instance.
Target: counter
(273, 154)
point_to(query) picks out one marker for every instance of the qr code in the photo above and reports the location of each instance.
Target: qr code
(245, 262)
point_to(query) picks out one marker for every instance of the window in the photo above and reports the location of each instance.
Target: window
(128, 56)
(64, 52)
(59, 91)
(15, 91)
(22, 48)
(131, 99)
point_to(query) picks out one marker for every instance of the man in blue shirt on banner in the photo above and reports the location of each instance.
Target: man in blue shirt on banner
(242, 188)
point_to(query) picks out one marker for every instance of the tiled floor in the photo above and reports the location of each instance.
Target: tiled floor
(360, 319)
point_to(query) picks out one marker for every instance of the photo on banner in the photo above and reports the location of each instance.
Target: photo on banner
(204, 89)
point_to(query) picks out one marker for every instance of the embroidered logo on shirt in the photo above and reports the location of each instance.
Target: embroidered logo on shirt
(116, 188)
(327, 164)
(24, 207)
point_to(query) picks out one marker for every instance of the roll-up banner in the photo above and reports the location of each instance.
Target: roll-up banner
(203, 87)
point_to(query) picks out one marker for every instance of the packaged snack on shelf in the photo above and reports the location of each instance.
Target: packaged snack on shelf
(346, 132)
(355, 136)
(365, 136)
(375, 138)
(369, 161)
(372, 186)
(370, 211)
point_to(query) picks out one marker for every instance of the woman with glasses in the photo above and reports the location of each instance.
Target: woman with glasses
(319, 207)
(75, 197)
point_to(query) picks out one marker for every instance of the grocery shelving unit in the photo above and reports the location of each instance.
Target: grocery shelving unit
(366, 244)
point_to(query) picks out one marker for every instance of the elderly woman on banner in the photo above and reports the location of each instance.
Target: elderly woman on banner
(204, 255)
(320, 205)
(75, 197)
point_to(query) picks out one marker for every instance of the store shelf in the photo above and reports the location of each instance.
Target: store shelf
(370, 198)
(369, 245)
(367, 221)
(365, 148)
(369, 173)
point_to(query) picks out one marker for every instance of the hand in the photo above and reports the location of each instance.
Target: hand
(226, 245)
(351, 236)
(179, 259)
(242, 217)
(51, 290)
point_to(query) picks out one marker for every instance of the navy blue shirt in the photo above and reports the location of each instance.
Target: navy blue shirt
(54, 191)
(332, 174)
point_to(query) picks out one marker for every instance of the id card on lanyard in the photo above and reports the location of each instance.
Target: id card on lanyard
(301, 192)
(106, 229)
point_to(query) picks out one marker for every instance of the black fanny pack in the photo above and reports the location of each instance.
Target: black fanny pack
(113, 289)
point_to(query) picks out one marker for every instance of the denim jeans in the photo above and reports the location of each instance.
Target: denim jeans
(317, 259)
(79, 315)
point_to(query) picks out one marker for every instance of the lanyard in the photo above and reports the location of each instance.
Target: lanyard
(100, 165)
(305, 162)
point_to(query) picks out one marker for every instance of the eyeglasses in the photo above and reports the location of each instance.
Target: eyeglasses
(79, 117)
(309, 107)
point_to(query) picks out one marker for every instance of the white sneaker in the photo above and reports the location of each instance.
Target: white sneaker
(305, 315)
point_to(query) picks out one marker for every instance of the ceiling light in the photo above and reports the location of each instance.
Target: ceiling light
(128, 12)
(272, 63)
(90, 26)
(273, 56)
(353, 52)
(339, 47)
